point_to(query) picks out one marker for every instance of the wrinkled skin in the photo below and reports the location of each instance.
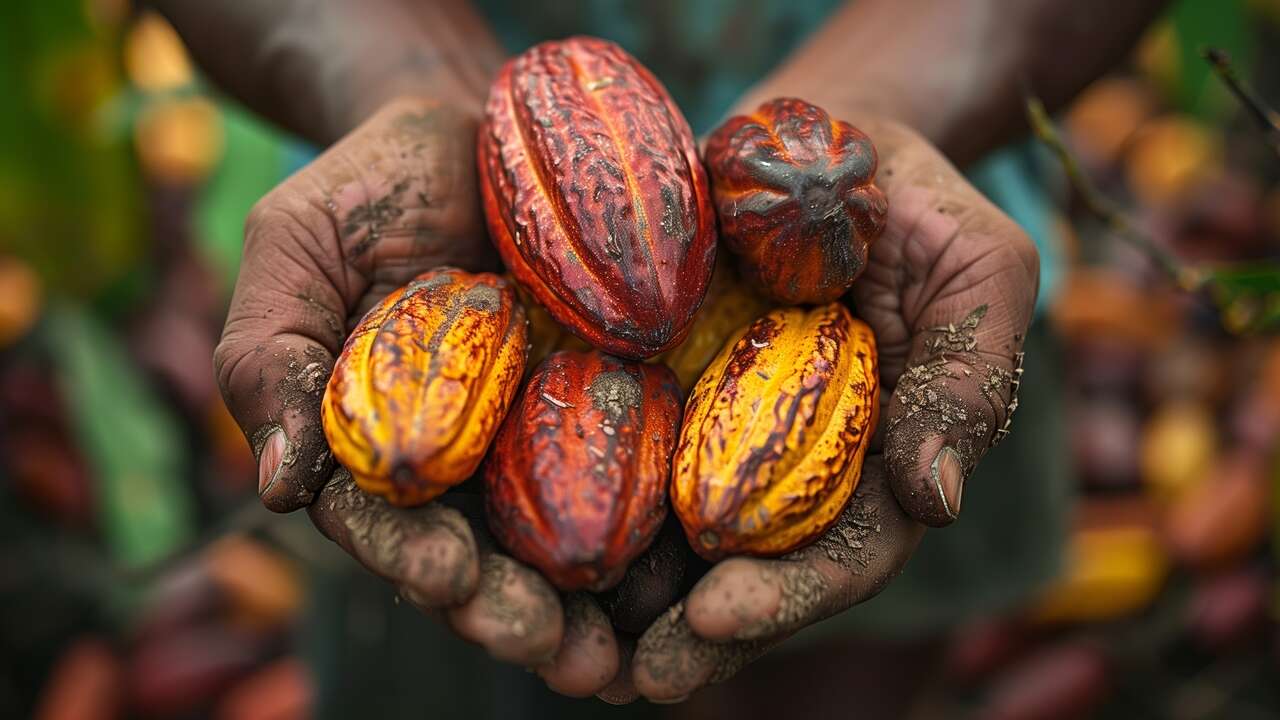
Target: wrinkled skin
(335, 238)
(945, 252)
(394, 198)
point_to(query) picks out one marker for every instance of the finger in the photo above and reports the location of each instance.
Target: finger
(387, 202)
(428, 552)
(671, 661)
(622, 689)
(953, 403)
(743, 606)
(950, 287)
(514, 614)
(652, 583)
(587, 660)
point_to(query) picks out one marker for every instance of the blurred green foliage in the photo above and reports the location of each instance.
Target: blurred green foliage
(130, 438)
(70, 196)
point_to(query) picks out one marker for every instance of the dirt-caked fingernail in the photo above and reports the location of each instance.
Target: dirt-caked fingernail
(948, 478)
(270, 459)
(669, 701)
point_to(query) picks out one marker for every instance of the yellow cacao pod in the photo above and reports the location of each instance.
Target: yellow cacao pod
(729, 305)
(545, 334)
(1110, 572)
(424, 382)
(775, 432)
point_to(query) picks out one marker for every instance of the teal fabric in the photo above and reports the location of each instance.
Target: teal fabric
(1013, 179)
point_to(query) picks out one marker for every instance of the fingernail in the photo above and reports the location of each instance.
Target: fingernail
(948, 477)
(269, 460)
(670, 701)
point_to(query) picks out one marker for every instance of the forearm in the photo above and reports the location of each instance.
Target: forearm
(956, 70)
(319, 67)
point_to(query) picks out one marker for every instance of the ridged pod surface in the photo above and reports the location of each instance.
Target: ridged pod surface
(423, 383)
(795, 193)
(576, 483)
(729, 305)
(775, 432)
(595, 196)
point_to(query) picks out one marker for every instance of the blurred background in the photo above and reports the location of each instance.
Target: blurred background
(140, 578)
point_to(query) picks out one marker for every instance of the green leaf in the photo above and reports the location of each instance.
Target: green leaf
(1248, 296)
(129, 437)
(253, 164)
(1223, 24)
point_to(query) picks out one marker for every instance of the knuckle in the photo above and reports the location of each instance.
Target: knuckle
(284, 216)
(228, 356)
(1026, 252)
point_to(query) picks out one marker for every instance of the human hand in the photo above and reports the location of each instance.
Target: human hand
(949, 290)
(397, 196)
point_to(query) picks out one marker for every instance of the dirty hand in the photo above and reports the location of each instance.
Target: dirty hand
(949, 290)
(394, 198)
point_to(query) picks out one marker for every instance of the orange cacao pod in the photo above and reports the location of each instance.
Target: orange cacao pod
(576, 484)
(423, 383)
(797, 200)
(594, 195)
(729, 305)
(775, 431)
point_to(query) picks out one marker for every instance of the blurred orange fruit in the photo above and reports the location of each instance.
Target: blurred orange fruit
(179, 140)
(1223, 519)
(282, 690)
(264, 588)
(1098, 304)
(1110, 572)
(20, 299)
(154, 56)
(1178, 447)
(1106, 115)
(235, 457)
(1168, 156)
(84, 684)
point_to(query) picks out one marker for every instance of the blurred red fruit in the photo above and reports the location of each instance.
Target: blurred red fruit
(85, 684)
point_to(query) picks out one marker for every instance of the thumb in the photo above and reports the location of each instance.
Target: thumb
(952, 403)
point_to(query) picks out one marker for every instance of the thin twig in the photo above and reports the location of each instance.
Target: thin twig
(1267, 119)
(1100, 205)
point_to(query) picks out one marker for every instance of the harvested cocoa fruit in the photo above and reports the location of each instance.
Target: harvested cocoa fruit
(576, 483)
(729, 305)
(424, 381)
(595, 197)
(775, 432)
(796, 196)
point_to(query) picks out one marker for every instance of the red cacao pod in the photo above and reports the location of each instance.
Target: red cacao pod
(1059, 682)
(594, 195)
(797, 200)
(577, 477)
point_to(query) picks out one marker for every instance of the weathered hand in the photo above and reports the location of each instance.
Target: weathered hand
(949, 290)
(395, 197)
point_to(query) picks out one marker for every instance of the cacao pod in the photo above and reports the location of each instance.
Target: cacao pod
(84, 684)
(545, 334)
(775, 432)
(424, 381)
(595, 197)
(1224, 517)
(729, 305)
(1066, 681)
(576, 484)
(1110, 572)
(795, 193)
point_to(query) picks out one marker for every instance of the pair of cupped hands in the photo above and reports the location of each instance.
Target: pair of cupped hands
(949, 291)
